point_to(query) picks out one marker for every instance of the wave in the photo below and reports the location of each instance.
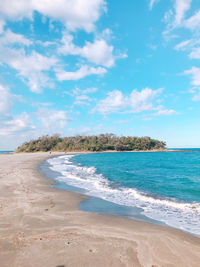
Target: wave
(182, 215)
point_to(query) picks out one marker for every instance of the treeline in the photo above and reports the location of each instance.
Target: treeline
(102, 142)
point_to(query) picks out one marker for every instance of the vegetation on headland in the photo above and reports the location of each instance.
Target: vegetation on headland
(102, 142)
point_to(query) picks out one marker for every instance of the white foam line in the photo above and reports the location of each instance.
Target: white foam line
(184, 216)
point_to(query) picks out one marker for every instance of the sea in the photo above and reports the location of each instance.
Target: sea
(157, 187)
(6, 152)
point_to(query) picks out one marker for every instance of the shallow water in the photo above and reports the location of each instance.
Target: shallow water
(5, 152)
(162, 186)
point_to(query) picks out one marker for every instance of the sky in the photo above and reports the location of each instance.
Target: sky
(83, 67)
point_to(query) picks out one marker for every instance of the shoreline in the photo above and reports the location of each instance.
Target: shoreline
(108, 151)
(42, 226)
(99, 205)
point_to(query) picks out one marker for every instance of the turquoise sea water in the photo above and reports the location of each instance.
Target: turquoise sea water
(162, 186)
(5, 152)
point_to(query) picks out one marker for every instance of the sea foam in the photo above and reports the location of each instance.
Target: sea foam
(181, 215)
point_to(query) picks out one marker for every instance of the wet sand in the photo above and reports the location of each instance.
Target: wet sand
(42, 226)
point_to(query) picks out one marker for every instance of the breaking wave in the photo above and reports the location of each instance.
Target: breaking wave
(181, 215)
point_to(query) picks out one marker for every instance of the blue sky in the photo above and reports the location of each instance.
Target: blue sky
(95, 66)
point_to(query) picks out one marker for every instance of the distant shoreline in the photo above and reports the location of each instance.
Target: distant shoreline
(107, 151)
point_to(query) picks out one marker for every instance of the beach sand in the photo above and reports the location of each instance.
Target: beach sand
(42, 226)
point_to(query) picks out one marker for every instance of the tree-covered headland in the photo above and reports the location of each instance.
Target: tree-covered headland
(102, 142)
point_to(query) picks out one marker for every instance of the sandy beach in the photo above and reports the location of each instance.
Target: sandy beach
(42, 226)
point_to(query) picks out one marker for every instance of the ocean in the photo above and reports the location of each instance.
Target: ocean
(5, 152)
(159, 187)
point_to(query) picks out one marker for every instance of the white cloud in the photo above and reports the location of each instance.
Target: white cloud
(195, 53)
(15, 125)
(75, 14)
(196, 97)
(183, 45)
(2, 23)
(106, 34)
(5, 100)
(98, 52)
(89, 90)
(84, 71)
(85, 130)
(67, 47)
(181, 7)
(166, 112)
(82, 100)
(29, 67)
(192, 45)
(15, 10)
(41, 104)
(168, 16)
(78, 91)
(137, 101)
(112, 103)
(175, 18)
(52, 119)
(10, 37)
(121, 121)
(11, 125)
(195, 73)
(193, 22)
(152, 2)
(46, 43)
(81, 96)
(34, 62)
(141, 101)
(32, 68)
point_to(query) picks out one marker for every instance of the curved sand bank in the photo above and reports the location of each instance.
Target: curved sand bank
(42, 226)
